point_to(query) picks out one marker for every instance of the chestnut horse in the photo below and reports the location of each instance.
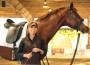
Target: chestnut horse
(50, 23)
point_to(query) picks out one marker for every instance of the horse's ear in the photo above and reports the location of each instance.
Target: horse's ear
(71, 5)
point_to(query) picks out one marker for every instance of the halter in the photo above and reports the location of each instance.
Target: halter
(78, 23)
(77, 28)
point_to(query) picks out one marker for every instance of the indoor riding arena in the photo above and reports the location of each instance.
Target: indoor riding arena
(62, 28)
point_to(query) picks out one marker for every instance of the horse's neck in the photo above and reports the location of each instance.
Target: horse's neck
(48, 30)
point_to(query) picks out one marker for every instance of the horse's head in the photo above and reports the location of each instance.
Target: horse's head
(73, 20)
(52, 21)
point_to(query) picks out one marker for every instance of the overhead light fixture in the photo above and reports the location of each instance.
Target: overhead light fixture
(3, 3)
(35, 19)
(49, 9)
(45, 4)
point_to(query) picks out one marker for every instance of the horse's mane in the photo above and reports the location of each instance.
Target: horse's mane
(54, 12)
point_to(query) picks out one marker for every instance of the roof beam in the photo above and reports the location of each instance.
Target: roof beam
(15, 4)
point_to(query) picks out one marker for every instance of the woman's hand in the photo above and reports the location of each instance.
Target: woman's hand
(37, 50)
(29, 55)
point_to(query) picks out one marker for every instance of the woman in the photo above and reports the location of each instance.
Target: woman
(32, 47)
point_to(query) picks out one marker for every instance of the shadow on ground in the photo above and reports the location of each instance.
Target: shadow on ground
(52, 61)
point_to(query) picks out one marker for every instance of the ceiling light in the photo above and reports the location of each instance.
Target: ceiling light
(49, 9)
(35, 19)
(45, 4)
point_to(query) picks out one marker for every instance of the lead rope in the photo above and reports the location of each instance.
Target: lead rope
(78, 37)
(42, 60)
(28, 58)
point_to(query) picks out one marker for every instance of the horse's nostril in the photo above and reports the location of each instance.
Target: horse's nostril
(86, 30)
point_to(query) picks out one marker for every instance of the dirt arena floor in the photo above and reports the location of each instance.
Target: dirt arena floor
(52, 61)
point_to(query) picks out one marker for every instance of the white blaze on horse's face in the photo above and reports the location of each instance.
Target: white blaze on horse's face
(32, 30)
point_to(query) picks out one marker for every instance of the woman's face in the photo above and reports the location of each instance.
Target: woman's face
(32, 30)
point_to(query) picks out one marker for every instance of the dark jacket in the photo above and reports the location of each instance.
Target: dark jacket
(27, 45)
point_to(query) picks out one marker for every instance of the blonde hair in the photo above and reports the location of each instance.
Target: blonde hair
(29, 25)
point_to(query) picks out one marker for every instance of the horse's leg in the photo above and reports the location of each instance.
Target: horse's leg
(6, 52)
